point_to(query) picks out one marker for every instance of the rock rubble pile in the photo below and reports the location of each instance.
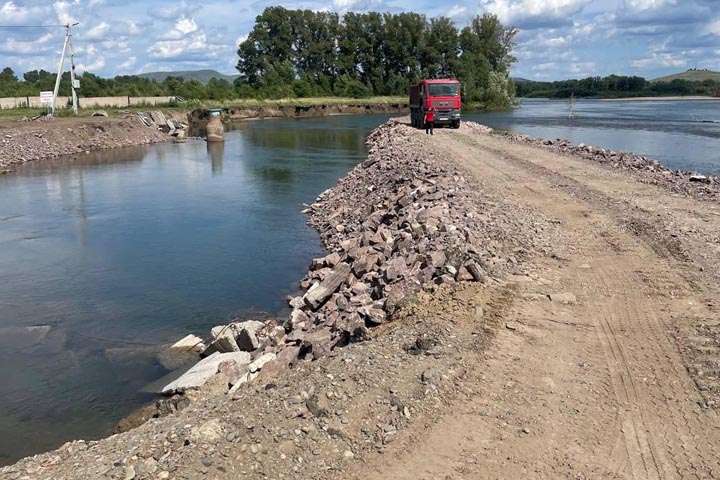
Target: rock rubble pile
(396, 225)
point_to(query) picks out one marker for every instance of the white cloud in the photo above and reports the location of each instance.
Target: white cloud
(127, 64)
(186, 25)
(640, 5)
(457, 11)
(555, 42)
(62, 10)
(175, 48)
(582, 69)
(546, 66)
(355, 5)
(132, 27)
(656, 60)
(713, 28)
(20, 47)
(535, 13)
(97, 64)
(10, 11)
(97, 32)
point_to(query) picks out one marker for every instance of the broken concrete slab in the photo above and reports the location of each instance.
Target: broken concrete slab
(224, 342)
(317, 295)
(202, 371)
(247, 340)
(261, 362)
(182, 352)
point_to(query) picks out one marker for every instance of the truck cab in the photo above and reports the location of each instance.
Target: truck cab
(443, 94)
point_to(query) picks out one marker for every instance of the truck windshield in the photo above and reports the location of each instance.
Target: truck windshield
(443, 89)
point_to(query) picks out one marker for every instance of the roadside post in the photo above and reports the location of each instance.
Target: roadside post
(47, 99)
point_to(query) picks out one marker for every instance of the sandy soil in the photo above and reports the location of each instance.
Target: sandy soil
(596, 356)
(598, 387)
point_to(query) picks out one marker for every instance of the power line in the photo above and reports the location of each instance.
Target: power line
(33, 26)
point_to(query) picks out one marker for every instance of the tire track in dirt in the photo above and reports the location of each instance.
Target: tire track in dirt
(665, 435)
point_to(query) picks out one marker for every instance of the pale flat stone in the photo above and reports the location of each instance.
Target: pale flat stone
(181, 353)
(190, 342)
(204, 369)
(260, 362)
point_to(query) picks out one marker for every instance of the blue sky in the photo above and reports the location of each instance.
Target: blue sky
(558, 38)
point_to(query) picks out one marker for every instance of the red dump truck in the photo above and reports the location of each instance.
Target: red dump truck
(443, 94)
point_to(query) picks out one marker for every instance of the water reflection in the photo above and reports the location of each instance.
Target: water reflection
(274, 174)
(216, 150)
(109, 158)
(116, 252)
(285, 135)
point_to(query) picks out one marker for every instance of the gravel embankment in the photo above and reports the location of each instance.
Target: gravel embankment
(408, 292)
(26, 142)
(643, 169)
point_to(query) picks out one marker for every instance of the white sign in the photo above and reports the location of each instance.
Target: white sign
(46, 97)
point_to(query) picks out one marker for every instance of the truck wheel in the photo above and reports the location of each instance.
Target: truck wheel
(456, 124)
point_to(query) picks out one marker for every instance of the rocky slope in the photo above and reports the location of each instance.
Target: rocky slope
(410, 287)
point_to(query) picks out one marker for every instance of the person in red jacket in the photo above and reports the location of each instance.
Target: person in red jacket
(430, 120)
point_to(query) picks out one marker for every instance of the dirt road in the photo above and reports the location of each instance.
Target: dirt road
(588, 346)
(617, 379)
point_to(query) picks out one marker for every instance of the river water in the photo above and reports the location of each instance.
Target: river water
(104, 257)
(668, 131)
(126, 249)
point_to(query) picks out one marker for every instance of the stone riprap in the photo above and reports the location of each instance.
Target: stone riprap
(643, 169)
(395, 225)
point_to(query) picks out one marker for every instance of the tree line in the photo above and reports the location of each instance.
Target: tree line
(307, 53)
(615, 86)
(303, 53)
(92, 85)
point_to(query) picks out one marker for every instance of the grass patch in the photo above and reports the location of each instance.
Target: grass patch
(19, 113)
(300, 102)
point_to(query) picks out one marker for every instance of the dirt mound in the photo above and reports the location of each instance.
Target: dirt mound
(42, 140)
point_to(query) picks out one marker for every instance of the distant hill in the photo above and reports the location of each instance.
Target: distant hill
(691, 75)
(202, 76)
(520, 79)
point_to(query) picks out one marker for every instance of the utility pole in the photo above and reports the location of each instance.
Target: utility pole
(73, 83)
(60, 71)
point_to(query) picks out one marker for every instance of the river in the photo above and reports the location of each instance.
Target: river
(107, 257)
(104, 258)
